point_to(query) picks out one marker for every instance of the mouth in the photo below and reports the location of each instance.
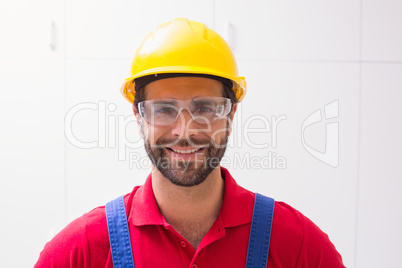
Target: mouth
(185, 151)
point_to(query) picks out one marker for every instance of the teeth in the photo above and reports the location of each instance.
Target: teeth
(186, 152)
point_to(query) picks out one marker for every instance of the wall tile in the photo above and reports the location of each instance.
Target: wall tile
(381, 30)
(379, 233)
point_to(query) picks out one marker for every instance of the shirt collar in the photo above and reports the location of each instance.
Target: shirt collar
(237, 206)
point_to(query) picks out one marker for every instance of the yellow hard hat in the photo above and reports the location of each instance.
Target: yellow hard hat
(183, 46)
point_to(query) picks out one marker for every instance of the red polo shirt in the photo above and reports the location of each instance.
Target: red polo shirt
(295, 240)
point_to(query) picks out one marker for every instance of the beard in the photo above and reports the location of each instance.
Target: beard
(186, 173)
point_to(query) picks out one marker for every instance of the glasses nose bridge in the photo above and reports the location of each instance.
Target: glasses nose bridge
(181, 108)
(181, 125)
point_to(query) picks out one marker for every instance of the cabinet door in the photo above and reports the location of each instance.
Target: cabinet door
(31, 29)
(31, 138)
(291, 30)
(32, 156)
(112, 29)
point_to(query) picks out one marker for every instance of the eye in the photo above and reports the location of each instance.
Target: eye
(164, 110)
(205, 109)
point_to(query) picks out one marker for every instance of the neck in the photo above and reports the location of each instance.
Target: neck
(189, 209)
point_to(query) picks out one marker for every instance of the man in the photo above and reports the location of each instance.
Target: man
(190, 212)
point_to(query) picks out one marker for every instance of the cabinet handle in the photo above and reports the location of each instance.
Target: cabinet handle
(53, 36)
(230, 35)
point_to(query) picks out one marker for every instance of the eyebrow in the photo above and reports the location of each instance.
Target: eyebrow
(202, 101)
(161, 101)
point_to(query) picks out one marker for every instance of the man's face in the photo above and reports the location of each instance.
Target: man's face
(185, 152)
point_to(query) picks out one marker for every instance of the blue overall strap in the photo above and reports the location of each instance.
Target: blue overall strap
(260, 233)
(119, 236)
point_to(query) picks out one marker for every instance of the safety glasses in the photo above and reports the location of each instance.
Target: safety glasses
(203, 110)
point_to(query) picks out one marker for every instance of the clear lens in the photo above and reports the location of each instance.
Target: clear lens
(203, 110)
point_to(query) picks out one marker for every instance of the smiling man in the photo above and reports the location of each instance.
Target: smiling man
(186, 116)
(190, 212)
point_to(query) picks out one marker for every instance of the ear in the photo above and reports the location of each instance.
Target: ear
(231, 116)
(137, 116)
(138, 119)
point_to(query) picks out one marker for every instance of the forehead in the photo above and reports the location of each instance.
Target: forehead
(184, 88)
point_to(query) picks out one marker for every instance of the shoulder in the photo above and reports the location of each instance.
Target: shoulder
(82, 243)
(70, 247)
(297, 238)
(287, 234)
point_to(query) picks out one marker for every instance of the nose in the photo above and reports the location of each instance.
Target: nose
(184, 125)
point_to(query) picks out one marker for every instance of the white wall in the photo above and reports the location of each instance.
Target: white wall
(297, 57)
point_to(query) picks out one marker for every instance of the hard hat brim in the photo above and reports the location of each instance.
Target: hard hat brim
(128, 87)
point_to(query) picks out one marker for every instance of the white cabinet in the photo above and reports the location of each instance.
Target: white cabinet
(32, 185)
(291, 30)
(112, 29)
